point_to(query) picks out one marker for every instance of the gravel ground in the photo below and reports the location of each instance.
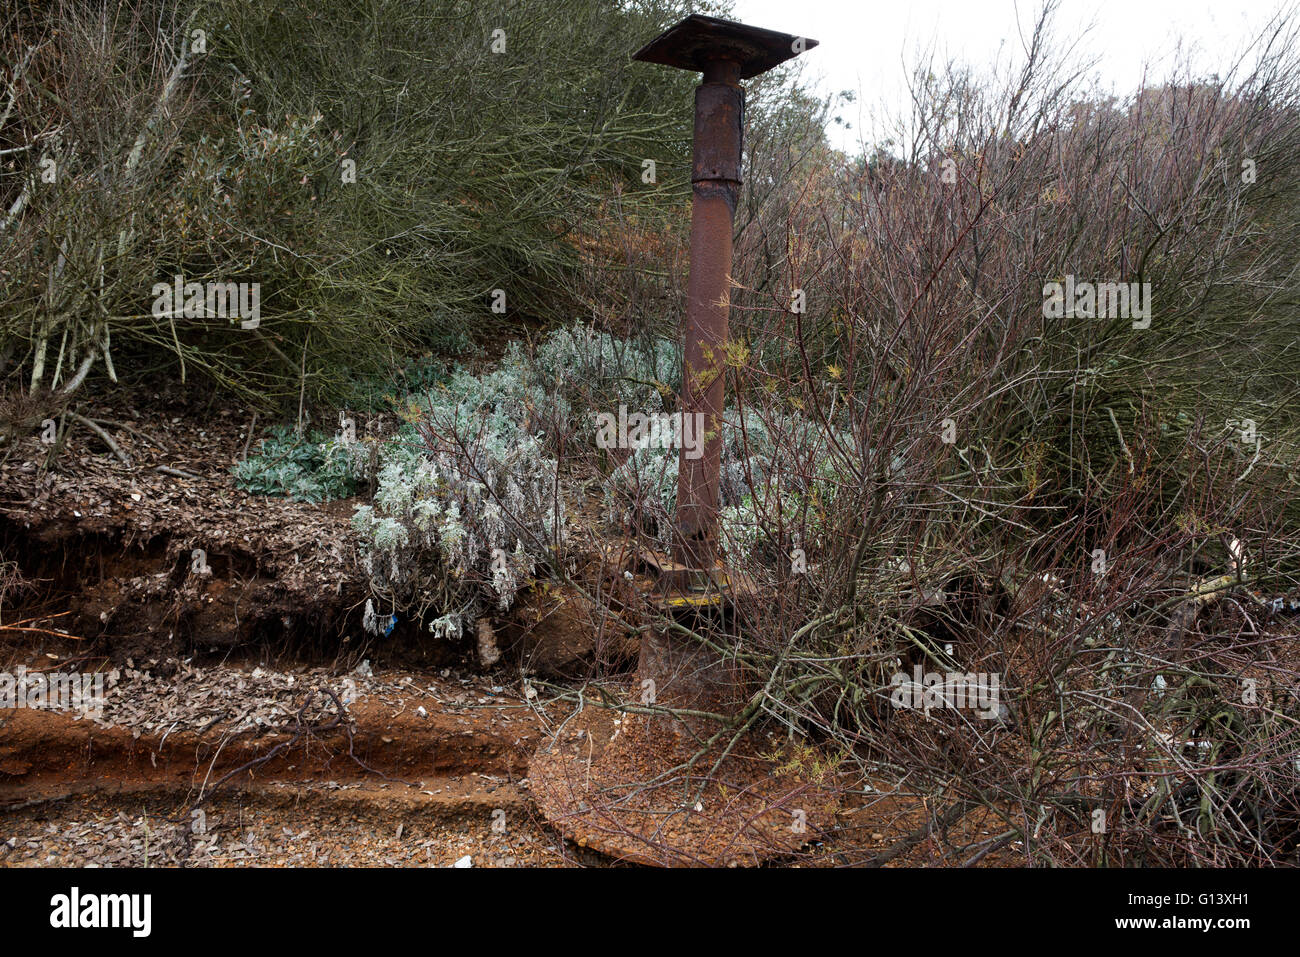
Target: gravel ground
(334, 828)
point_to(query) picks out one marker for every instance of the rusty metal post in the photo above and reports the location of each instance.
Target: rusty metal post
(715, 189)
(689, 676)
(726, 53)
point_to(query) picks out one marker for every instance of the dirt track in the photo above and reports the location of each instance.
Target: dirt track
(420, 755)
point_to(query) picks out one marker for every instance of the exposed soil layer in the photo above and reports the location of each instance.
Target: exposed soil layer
(421, 771)
(153, 562)
(423, 733)
(167, 557)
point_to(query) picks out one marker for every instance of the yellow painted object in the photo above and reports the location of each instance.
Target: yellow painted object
(713, 597)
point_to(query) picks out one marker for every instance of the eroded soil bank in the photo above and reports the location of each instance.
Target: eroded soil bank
(239, 682)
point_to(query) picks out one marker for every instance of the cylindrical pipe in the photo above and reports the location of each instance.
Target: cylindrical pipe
(715, 189)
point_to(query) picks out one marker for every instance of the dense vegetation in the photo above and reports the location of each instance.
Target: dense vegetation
(379, 169)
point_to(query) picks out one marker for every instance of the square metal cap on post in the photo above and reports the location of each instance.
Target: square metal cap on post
(697, 40)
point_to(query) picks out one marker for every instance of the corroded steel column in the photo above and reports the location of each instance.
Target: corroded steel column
(715, 189)
(726, 53)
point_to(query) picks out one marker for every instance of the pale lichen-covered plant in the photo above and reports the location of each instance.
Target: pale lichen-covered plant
(468, 503)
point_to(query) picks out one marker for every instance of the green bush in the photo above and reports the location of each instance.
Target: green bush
(307, 468)
(475, 170)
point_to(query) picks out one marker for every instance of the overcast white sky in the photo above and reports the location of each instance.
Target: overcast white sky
(864, 43)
